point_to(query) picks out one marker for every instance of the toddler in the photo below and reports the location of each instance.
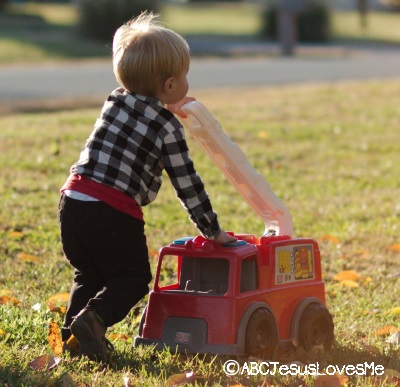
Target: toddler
(119, 170)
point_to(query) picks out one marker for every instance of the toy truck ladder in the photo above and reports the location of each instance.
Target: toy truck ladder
(232, 162)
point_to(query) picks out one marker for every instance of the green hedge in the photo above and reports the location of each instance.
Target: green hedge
(99, 19)
(313, 22)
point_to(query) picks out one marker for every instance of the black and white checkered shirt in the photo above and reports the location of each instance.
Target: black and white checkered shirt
(132, 142)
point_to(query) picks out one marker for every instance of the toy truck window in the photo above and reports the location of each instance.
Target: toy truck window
(204, 275)
(198, 275)
(169, 272)
(248, 276)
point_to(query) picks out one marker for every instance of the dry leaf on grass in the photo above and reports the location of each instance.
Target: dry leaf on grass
(29, 258)
(330, 238)
(58, 303)
(4, 299)
(394, 339)
(54, 338)
(178, 379)
(44, 362)
(331, 380)
(387, 330)
(395, 247)
(347, 275)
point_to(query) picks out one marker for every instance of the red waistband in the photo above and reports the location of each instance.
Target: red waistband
(104, 193)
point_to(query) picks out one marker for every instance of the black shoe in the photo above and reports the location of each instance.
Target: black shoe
(90, 333)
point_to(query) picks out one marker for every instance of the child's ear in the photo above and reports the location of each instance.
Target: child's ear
(169, 85)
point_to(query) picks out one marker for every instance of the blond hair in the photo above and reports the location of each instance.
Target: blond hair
(145, 55)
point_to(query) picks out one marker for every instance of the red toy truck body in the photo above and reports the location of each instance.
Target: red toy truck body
(241, 299)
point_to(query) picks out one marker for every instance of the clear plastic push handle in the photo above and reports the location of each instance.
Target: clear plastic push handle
(232, 162)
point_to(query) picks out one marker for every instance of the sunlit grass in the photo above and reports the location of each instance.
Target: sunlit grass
(330, 153)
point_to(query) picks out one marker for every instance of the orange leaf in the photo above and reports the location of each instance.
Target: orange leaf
(9, 300)
(44, 362)
(16, 234)
(2, 332)
(395, 247)
(330, 238)
(118, 336)
(387, 330)
(347, 275)
(73, 344)
(178, 379)
(29, 258)
(330, 380)
(58, 302)
(54, 338)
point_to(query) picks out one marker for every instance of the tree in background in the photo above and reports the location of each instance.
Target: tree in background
(99, 19)
(392, 3)
(3, 5)
(362, 6)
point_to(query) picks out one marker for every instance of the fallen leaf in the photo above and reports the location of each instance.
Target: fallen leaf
(335, 380)
(58, 303)
(54, 338)
(394, 338)
(73, 345)
(29, 258)
(6, 292)
(349, 284)
(395, 310)
(330, 238)
(387, 330)
(367, 280)
(118, 336)
(395, 247)
(44, 362)
(345, 275)
(9, 300)
(178, 379)
(16, 234)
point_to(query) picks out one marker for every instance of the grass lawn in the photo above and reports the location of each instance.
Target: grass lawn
(330, 153)
(37, 32)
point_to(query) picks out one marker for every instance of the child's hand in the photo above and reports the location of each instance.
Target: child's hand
(176, 108)
(223, 238)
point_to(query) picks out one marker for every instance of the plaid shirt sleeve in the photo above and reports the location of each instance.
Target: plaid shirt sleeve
(132, 142)
(187, 183)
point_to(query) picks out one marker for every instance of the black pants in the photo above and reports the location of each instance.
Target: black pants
(108, 250)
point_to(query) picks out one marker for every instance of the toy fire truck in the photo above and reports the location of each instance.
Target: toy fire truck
(244, 298)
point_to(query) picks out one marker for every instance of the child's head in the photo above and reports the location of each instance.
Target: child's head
(145, 55)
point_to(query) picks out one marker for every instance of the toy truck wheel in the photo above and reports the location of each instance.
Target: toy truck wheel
(316, 327)
(261, 333)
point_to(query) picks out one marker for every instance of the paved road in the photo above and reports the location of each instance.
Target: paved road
(312, 64)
